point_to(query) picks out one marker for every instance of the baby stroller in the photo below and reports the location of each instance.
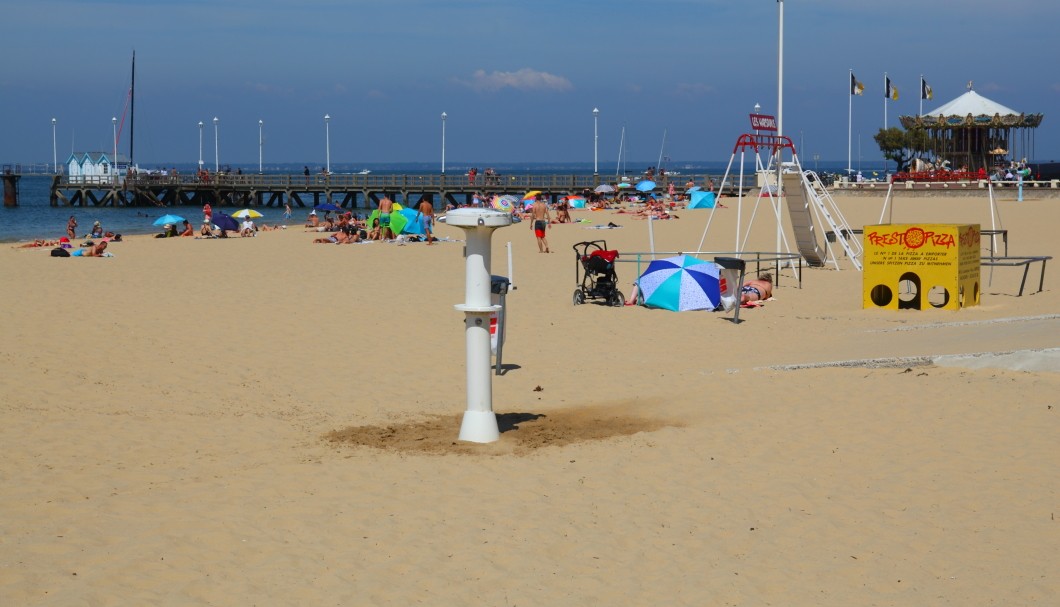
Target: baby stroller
(594, 271)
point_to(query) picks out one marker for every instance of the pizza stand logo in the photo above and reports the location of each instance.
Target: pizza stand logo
(913, 238)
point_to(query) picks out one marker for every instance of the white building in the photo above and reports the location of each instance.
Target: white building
(96, 167)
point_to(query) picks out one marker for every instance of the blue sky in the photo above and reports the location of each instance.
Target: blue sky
(517, 80)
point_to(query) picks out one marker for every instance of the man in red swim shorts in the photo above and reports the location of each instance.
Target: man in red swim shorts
(539, 222)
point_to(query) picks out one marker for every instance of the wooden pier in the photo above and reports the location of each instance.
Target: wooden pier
(300, 191)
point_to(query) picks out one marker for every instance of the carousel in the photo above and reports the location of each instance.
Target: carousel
(973, 132)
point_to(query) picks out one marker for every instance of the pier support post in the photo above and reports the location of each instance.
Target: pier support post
(10, 188)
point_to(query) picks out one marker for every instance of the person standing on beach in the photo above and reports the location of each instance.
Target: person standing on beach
(207, 213)
(426, 209)
(286, 211)
(71, 228)
(386, 206)
(540, 222)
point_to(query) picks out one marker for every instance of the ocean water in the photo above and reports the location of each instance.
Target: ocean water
(36, 218)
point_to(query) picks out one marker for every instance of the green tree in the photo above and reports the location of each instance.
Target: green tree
(902, 146)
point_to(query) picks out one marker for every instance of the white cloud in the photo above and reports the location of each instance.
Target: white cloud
(525, 79)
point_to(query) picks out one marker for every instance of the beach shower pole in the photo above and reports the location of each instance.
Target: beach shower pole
(479, 424)
(216, 146)
(444, 116)
(55, 154)
(200, 146)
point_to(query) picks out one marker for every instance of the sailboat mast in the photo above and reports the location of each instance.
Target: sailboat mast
(132, 111)
(658, 165)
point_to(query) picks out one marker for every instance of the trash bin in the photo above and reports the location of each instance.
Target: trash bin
(499, 286)
(731, 278)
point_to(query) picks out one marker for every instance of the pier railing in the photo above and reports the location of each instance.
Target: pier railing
(376, 182)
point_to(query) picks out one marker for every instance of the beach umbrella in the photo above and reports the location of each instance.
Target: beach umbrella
(504, 203)
(327, 206)
(531, 194)
(624, 185)
(680, 283)
(224, 222)
(694, 188)
(397, 220)
(169, 218)
(646, 186)
(604, 188)
(576, 202)
(244, 213)
(702, 200)
(413, 222)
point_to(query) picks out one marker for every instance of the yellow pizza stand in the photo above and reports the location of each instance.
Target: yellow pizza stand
(915, 266)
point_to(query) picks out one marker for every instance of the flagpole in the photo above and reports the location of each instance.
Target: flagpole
(850, 115)
(780, 73)
(921, 95)
(780, 111)
(886, 96)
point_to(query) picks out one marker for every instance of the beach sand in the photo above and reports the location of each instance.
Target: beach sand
(273, 422)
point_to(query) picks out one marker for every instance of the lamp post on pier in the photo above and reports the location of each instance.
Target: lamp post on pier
(327, 144)
(261, 125)
(216, 146)
(55, 155)
(200, 146)
(114, 162)
(444, 116)
(596, 142)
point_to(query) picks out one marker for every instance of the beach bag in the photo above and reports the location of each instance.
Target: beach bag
(60, 252)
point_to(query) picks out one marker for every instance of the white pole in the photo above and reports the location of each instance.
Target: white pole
(511, 281)
(327, 144)
(55, 154)
(921, 95)
(596, 142)
(780, 112)
(621, 142)
(658, 164)
(651, 236)
(216, 145)
(780, 74)
(886, 96)
(850, 118)
(200, 145)
(444, 116)
(739, 202)
(261, 140)
(114, 162)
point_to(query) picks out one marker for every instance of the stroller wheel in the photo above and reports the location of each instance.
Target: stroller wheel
(617, 299)
(579, 297)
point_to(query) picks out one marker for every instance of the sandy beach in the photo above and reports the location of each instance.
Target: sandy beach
(267, 421)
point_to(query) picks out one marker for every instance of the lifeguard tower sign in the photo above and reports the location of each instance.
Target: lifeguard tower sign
(762, 122)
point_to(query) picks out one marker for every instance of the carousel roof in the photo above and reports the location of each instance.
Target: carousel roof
(972, 103)
(972, 110)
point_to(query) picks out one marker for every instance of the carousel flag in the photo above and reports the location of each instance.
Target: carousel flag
(925, 90)
(856, 88)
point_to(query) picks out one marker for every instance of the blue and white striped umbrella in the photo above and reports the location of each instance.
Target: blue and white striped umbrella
(680, 283)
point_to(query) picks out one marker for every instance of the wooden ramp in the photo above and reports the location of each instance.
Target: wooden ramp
(802, 220)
